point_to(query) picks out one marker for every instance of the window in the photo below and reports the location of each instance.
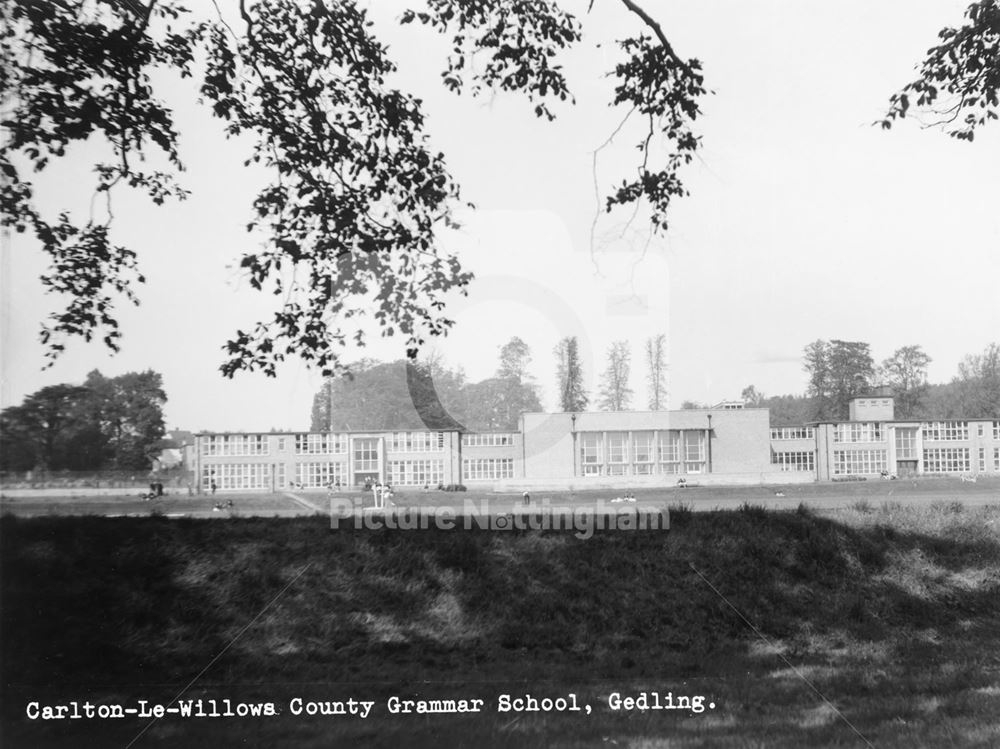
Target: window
(416, 472)
(236, 476)
(982, 459)
(642, 450)
(590, 453)
(487, 469)
(945, 431)
(996, 458)
(366, 454)
(794, 461)
(487, 440)
(669, 452)
(858, 432)
(694, 452)
(319, 475)
(854, 462)
(981, 429)
(906, 443)
(416, 442)
(281, 444)
(946, 460)
(320, 444)
(617, 448)
(234, 445)
(996, 430)
(793, 433)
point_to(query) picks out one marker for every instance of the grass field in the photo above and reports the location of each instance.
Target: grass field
(876, 622)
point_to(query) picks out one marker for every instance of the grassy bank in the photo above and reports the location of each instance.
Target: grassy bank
(880, 621)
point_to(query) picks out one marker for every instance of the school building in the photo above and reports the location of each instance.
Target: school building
(724, 444)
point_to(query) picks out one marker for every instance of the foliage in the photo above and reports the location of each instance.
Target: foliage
(616, 395)
(349, 227)
(751, 397)
(569, 376)
(978, 383)
(108, 423)
(906, 373)
(838, 371)
(656, 377)
(959, 78)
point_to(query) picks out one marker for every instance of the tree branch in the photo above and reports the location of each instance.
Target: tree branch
(655, 26)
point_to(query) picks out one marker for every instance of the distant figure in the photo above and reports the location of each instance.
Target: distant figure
(526, 498)
(213, 487)
(969, 479)
(682, 483)
(779, 494)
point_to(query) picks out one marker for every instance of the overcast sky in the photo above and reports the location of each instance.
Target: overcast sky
(803, 222)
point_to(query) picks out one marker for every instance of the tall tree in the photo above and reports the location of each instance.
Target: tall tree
(838, 371)
(358, 199)
(906, 373)
(569, 376)
(129, 409)
(752, 397)
(978, 384)
(656, 373)
(515, 355)
(616, 395)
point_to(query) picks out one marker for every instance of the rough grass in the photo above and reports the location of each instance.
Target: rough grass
(803, 629)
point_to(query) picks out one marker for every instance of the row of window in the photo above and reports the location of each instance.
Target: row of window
(234, 445)
(616, 449)
(415, 442)
(319, 444)
(794, 461)
(793, 433)
(852, 462)
(943, 431)
(416, 472)
(861, 431)
(486, 469)
(982, 459)
(494, 439)
(225, 476)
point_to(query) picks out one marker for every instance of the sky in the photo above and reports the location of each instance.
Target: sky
(804, 222)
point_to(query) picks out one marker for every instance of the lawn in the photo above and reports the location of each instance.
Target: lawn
(879, 622)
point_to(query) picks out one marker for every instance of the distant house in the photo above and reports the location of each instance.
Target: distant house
(176, 449)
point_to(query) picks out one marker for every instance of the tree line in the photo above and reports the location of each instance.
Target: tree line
(840, 370)
(105, 423)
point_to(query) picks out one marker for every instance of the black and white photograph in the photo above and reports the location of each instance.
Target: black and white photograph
(499, 373)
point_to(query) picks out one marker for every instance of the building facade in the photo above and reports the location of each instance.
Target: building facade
(716, 445)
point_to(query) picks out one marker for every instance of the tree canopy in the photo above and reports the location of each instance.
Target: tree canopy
(349, 227)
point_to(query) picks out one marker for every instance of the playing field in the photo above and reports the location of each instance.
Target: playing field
(826, 496)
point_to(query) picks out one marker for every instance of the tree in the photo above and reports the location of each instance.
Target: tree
(906, 373)
(108, 423)
(978, 383)
(838, 371)
(751, 397)
(656, 377)
(959, 78)
(349, 228)
(514, 358)
(569, 375)
(616, 395)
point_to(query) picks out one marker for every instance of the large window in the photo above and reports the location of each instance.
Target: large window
(855, 462)
(694, 452)
(862, 431)
(590, 453)
(487, 469)
(416, 472)
(235, 476)
(982, 459)
(793, 433)
(669, 452)
(945, 431)
(234, 445)
(906, 443)
(794, 461)
(318, 475)
(366, 454)
(946, 460)
(996, 430)
(320, 444)
(416, 442)
(494, 439)
(642, 453)
(617, 453)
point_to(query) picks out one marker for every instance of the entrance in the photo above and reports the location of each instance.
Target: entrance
(906, 468)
